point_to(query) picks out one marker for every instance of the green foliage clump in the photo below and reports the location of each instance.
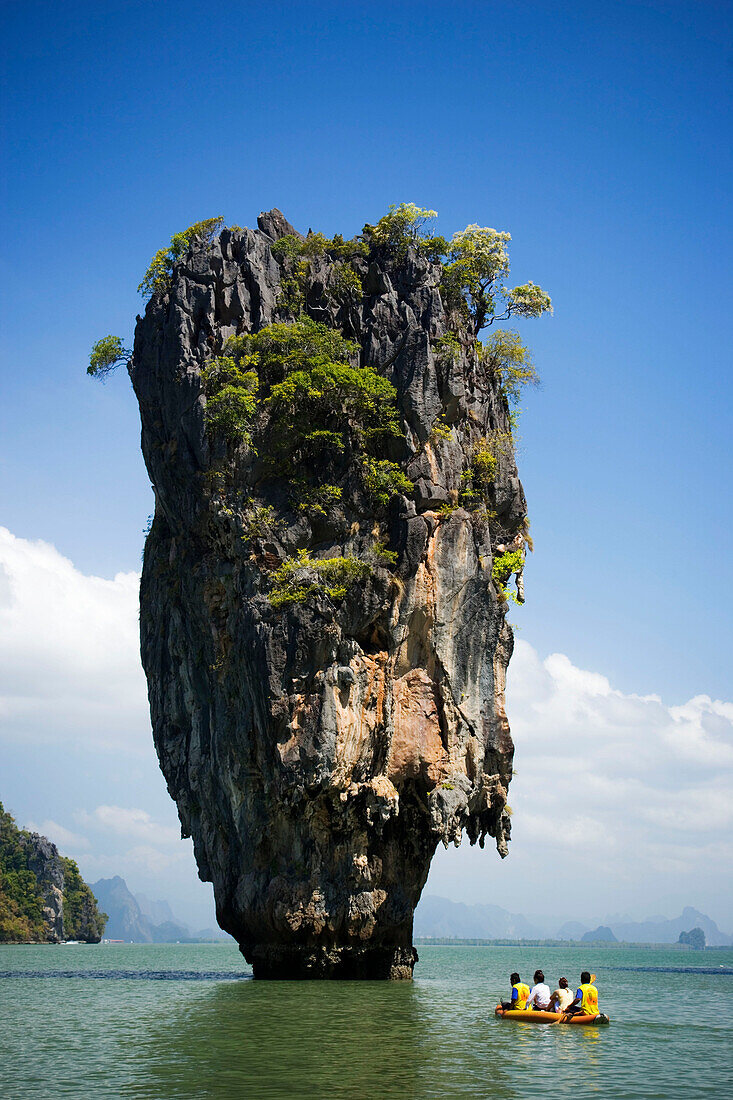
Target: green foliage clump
(448, 347)
(315, 406)
(291, 247)
(328, 405)
(82, 919)
(512, 561)
(316, 500)
(440, 430)
(382, 556)
(383, 479)
(157, 278)
(474, 277)
(510, 361)
(404, 225)
(300, 578)
(21, 903)
(346, 286)
(480, 476)
(259, 521)
(106, 356)
(291, 296)
(231, 397)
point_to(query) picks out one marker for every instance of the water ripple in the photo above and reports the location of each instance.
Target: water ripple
(134, 975)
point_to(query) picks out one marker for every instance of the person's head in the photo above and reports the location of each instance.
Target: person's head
(538, 976)
(584, 978)
(514, 978)
(563, 983)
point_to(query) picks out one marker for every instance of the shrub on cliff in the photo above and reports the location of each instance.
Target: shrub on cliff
(232, 401)
(158, 275)
(303, 577)
(510, 361)
(404, 225)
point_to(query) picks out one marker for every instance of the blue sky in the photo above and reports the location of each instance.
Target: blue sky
(598, 135)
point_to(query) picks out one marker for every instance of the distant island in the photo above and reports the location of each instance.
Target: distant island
(440, 920)
(43, 898)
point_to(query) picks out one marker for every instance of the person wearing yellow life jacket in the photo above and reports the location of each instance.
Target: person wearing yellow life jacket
(520, 992)
(586, 997)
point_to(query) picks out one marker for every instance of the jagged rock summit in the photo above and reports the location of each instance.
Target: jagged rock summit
(324, 643)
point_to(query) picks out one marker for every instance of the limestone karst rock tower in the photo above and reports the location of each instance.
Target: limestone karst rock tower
(323, 726)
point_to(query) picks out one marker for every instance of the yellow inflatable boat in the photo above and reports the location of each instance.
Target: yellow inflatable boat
(539, 1017)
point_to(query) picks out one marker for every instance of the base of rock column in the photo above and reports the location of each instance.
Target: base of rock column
(300, 962)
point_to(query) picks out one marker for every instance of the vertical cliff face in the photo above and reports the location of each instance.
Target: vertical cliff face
(319, 749)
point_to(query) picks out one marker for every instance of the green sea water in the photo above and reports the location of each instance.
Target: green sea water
(165, 1021)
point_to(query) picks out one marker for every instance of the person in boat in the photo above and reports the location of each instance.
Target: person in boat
(561, 997)
(539, 997)
(586, 997)
(520, 992)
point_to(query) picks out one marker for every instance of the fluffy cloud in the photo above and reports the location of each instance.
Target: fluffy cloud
(616, 798)
(66, 841)
(131, 824)
(597, 767)
(69, 664)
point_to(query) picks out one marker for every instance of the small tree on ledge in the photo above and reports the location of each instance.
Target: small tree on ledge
(107, 354)
(473, 280)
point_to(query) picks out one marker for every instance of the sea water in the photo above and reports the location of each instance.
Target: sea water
(187, 1021)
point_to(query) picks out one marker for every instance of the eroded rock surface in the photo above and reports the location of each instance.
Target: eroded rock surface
(319, 752)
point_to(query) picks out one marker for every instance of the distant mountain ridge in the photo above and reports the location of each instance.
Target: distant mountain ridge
(441, 917)
(138, 919)
(437, 917)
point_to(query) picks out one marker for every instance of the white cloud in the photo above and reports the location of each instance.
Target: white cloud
(131, 824)
(618, 797)
(69, 662)
(614, 767)
(63, 838)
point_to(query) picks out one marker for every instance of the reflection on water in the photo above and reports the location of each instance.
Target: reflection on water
(270, 1039)
(321, 1039)
(162, 1022)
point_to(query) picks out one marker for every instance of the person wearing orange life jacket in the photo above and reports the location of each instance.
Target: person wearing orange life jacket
(520, 992)
(586, 998)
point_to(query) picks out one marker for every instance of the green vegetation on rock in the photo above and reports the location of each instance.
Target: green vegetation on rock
(404, 225)
(106, 356)
(157, 278)
(504, 565)
(303, 577)
(509, 361)
(312, 405)
(478, 479)
(474, 280)
(82, 919)
(21, 902)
